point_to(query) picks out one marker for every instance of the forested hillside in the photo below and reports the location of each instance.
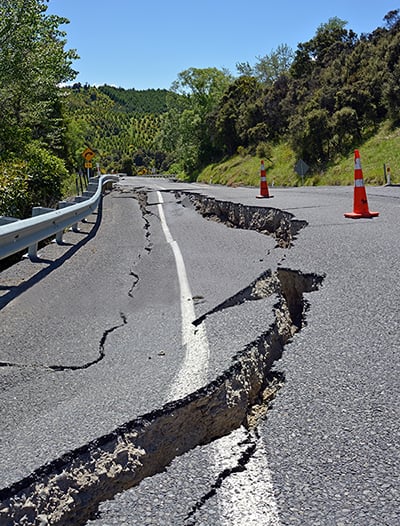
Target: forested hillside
(322, 100)
(119, 125)
(133, 101)
(317, 103)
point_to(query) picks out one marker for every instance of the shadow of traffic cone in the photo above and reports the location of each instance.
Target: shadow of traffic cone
(360, 203)
(263, 183)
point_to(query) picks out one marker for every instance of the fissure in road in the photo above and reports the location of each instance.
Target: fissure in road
(240, 466)
(69, 489)
(79, 367)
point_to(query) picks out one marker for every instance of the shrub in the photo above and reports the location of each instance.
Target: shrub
(35, 180)
(45, 174)
(241, 150)
(14, 200)
(264, 150)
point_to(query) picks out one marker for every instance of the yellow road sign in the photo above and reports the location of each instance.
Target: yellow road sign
(88, 164)
(88, 154)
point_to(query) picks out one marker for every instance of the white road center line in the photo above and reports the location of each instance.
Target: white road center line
(246, 497)
(193, 373)
(254, 503)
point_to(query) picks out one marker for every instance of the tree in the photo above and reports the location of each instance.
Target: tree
(278, 107)
(235, 116)
(270, 67)
(345, 129)
(244, 69)
(197, 95)
(310, 134)
(392, 18)
(330, 40)
(34, 181)
(390, 55)
(203, 86)
(33, 62)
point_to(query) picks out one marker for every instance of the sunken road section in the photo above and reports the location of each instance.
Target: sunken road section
(69, 489)
(270, 221)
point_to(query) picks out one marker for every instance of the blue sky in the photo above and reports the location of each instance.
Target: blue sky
(145, 43)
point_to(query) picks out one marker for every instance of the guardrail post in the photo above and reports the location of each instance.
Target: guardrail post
(63, 204)
(32, 251)
(37, 211)
(59, 235)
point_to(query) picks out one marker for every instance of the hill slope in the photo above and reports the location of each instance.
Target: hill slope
(137, 101)
(383, 148)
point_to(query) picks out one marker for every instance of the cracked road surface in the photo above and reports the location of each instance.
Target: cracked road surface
(92, 351)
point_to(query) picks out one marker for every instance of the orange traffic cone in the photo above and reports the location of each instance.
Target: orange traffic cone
(263, 183)
(360, 204)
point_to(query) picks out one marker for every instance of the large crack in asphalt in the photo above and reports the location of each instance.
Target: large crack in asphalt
(141, 197)
(248, 446)
(69, 489)
(265, 285)
(281, 225)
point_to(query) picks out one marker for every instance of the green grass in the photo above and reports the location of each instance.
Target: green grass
(382, 148)
(68, 188)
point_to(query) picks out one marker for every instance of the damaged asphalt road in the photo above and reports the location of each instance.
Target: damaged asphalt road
(84, 435)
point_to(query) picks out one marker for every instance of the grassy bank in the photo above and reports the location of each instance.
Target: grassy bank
(382, 148)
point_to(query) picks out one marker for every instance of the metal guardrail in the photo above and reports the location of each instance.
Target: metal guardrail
(26, 233)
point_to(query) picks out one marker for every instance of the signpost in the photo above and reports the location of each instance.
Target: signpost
(301, 168)
(88, 155)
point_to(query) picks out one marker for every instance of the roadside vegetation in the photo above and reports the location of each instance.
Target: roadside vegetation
(334, 93)
(382, 149)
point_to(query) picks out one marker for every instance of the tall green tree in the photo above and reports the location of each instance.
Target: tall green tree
(197, 95)
(238, 114)
(33, 62)
(319, 83)
(269, 67)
